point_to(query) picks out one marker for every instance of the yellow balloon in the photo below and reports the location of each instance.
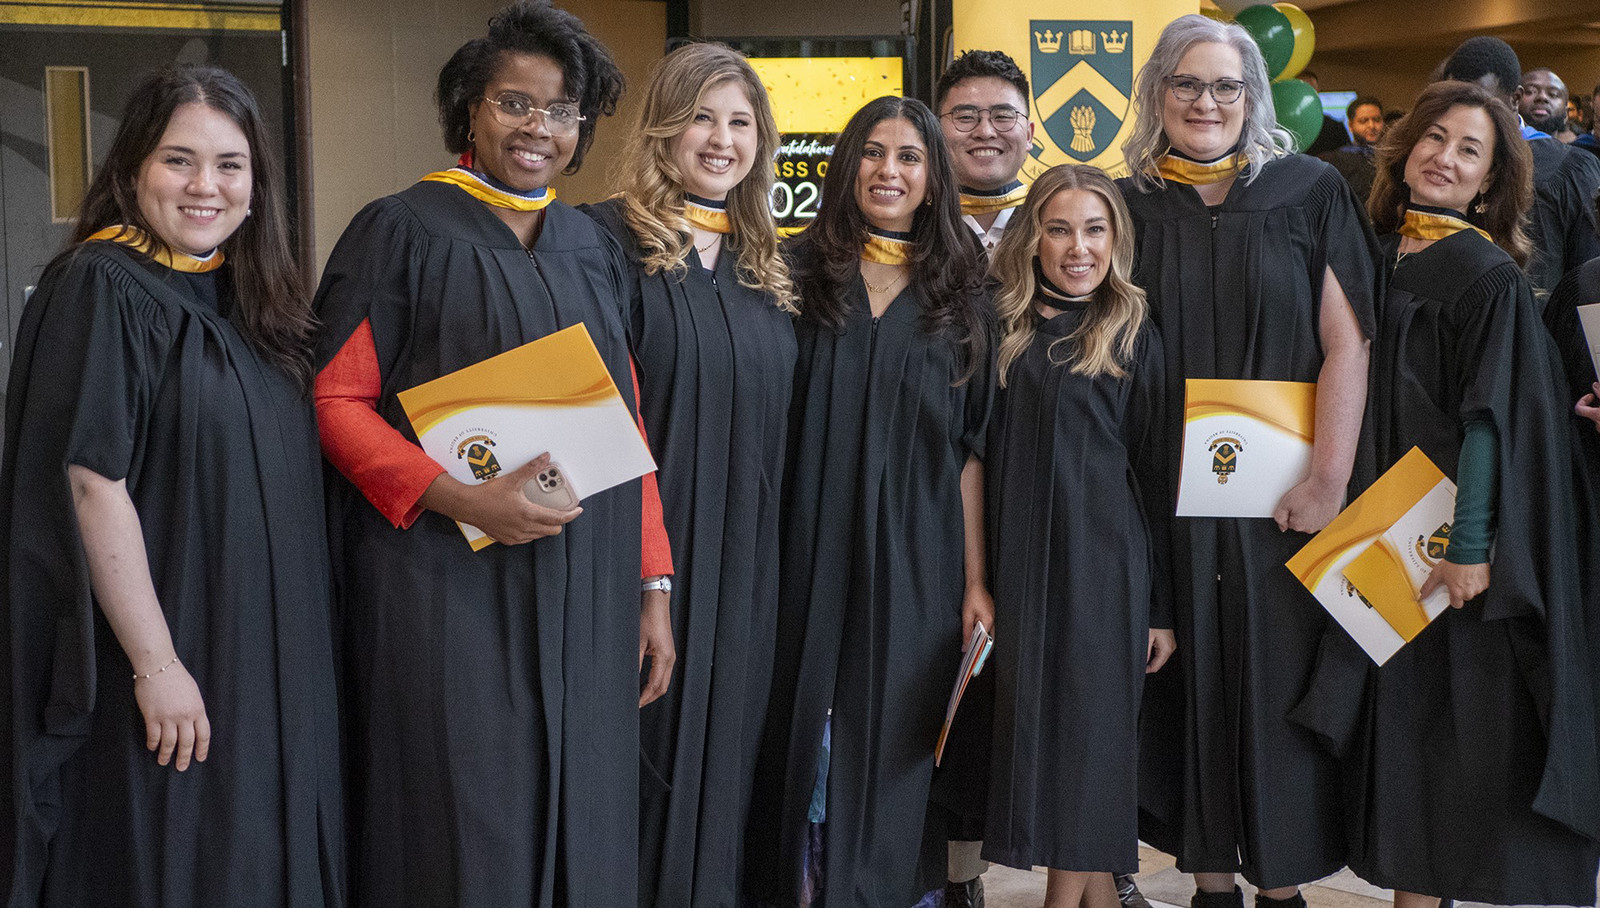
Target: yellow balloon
(1305, 40)
(1216, 14)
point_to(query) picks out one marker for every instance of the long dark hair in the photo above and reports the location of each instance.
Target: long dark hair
(944, 262)
(274, 311)
(1511, 169)
(591, 76)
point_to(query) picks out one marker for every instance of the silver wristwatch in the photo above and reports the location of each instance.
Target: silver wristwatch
(664, 584)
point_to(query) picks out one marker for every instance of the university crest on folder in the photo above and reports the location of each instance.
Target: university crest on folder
(1082, 76)
(1434, 547)
(1225, 459)
(479, 457)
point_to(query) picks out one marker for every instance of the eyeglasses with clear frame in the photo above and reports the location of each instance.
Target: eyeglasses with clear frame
(1002, 118)
(514, 111)
(1188, 88)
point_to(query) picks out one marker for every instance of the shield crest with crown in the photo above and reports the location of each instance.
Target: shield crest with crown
(1082, 75)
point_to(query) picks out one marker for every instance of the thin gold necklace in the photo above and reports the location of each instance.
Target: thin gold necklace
(703, 249)
(885, 288)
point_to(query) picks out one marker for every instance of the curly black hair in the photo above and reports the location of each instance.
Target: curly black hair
(1485, 56)
(976, 64)
(592, 78)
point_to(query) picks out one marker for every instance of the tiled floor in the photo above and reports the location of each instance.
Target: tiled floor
(1165, 887)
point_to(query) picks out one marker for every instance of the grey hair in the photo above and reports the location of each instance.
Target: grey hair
(1261, 139)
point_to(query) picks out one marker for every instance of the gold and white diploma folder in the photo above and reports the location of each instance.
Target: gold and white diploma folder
(1245, 444)
(1368, 566)
(553, 394)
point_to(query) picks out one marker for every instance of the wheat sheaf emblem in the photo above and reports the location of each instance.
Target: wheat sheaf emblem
(1083, 129)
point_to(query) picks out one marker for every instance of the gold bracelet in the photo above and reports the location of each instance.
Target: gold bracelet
(137, 676)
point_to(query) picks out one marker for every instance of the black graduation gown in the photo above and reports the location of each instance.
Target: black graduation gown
(1228, 781)
(1561, 223)
(1579, 287)
(1074, 575)
(869, 624)
(1477, 751)
(135, 372)
(1330, 136)
(716, 370)
(492, 695)
(1358, 166)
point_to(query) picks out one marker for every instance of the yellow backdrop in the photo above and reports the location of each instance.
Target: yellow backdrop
(1080, 58)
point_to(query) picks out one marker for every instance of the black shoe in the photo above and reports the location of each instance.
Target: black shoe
(1294, 901)
(1202, 899)
(1128, 891)
(964, 895)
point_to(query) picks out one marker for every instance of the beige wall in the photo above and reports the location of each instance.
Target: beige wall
(636, 32)
(374, 127)
(828, 18)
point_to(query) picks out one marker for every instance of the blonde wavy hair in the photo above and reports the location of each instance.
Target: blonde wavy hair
(651, 185)
(1103, 343)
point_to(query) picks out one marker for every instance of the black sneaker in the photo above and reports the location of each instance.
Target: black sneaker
(1128, 891)
(965, 895)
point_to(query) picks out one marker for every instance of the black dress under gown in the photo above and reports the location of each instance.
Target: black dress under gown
(1228, 782)
(138, 373)
(869, 625)
(1476, 750)
(1075, 573)
(716, 370)
(492, 696)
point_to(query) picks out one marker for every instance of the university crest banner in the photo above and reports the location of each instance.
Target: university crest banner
(1080, 68)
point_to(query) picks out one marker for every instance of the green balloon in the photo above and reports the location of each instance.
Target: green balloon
(1274, 34)
(1299, 110)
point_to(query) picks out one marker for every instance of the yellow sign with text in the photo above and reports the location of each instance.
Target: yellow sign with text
(812, 100)
(1080, 59)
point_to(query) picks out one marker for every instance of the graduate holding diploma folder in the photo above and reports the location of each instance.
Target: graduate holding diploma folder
(883, 544)
(549, 400)
(1257, 266)
(491, 697)
(1475, 760)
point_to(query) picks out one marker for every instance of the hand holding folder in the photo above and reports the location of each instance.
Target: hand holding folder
(1369, 566)
(553, 395)
(1246, 444)
(974, 656)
